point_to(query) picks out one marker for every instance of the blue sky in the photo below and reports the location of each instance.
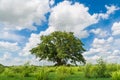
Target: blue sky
(95, 22)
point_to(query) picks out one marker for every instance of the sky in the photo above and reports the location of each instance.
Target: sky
(95, 22)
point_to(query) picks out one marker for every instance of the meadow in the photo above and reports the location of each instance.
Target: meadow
(100, 71)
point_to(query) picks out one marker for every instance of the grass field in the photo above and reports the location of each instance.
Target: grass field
(100, 71)
(78, 76)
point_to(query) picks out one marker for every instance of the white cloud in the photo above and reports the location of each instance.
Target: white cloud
(52, 2)
(99, 32)
(116, 28)
(8, 47)
(108, 49)
(92, 59)
(110, 9)
(21, 14)
(33, 41)
(6, 56)
(6, 35)
(74, 18)
(10, 60)
(7, 50)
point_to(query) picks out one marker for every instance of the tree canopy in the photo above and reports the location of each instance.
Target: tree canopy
(60, 47)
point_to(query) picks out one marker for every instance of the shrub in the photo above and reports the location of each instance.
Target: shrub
(8, 72)
(66, 70)
(95, 71)
(61, 76)
(87, 70)
(101, 68)
(63, 72)
(111, 67)
(1, 68)
(116, 75)
(42, 75)
(80, 68)
(25, 73)
(51, 69)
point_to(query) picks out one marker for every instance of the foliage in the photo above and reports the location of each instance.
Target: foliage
(29, 72)
(112, 67)
(87, 70)
(65, 70)
(42, 75)
(62, 72)
(1, 68)
(116, 75)
(60, 47)
(97, 71)
(8, 72)
(25, 73)
(101, 68)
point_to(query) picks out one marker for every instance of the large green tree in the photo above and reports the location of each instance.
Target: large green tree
(60, 47)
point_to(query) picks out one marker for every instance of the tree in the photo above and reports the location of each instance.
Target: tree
(60, 47)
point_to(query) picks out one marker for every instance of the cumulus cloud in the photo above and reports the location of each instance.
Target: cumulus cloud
(33, 41)
(6, 35)
(7, 50)
(108, 49)
(10, 60)
(116, 28)
(6, 56)
(21, 14)
(110, 9)
(107, 46)
(52, 2)
(99, 32)
(9, 47)
(74, 18)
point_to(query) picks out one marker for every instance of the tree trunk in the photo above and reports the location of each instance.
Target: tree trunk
(60, 62)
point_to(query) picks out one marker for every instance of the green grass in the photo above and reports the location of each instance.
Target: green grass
(16, 78)
(52, 76)
(54, 73)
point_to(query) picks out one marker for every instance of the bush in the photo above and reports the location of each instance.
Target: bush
(80, 68)
(63, 72)
(61, 76)
(66, 70)
(111, 67)
(1, 68)
(25, 73)
(101, 68)
(87, 70)
(51, 69)
(42, 75)
(8, 72)
(96, 71)
(116, 75)
(93, 72)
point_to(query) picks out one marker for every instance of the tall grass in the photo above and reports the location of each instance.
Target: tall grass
(62, 72)
(116, 75)
(101, 68)
(97, 71)
(42, 74)
(1, 69)
(87, 70)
